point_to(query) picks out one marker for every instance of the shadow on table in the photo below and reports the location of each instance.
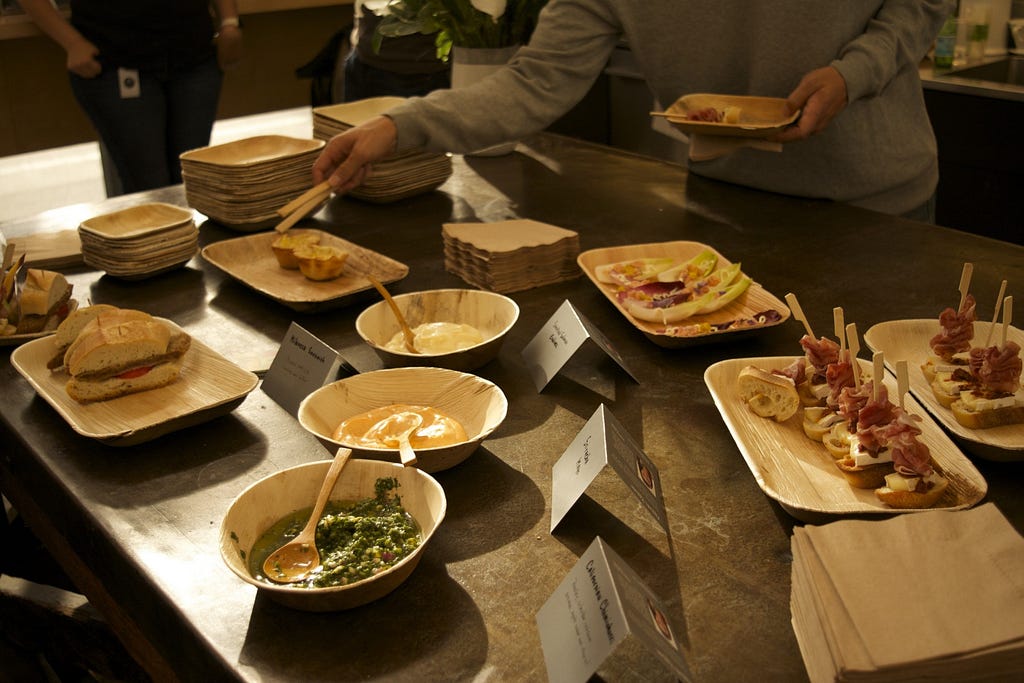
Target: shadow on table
(403, 632)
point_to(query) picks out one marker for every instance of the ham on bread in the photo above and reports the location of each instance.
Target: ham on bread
(43, 301)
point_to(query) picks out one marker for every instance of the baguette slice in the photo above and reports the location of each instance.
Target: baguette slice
(864, 476)
(768, 395)
(986, 419)
(909, 500)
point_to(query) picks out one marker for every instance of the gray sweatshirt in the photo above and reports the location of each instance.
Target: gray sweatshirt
(878, 153)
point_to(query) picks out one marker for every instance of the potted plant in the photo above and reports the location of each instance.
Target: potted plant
(461, 23)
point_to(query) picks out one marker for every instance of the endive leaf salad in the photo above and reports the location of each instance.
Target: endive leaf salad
(662, 290)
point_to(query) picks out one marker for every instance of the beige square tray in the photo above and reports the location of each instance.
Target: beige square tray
(251, 261)
(908, 340)
(755, 300)
(210, 385)
(760, 117)
(801, 475)
(260, 149)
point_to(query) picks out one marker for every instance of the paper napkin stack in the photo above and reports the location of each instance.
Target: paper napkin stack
(392, 178)
(509, 256)
(929, 596)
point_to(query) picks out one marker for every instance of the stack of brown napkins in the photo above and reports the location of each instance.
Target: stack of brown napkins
(510, 256)
(930, 596)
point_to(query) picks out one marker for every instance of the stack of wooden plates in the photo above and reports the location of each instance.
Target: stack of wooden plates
(139, 241)
(242, 184)
(510, 256)
(394, 177)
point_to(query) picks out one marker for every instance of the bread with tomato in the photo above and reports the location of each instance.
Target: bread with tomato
(120, 353)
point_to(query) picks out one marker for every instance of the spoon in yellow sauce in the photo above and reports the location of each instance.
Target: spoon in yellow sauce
(398, 428)
(298, 558)
(410, 337)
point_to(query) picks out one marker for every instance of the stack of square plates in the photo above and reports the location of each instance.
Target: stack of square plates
(242, 184)
(394, 177)
(139, 241)
(509, 256)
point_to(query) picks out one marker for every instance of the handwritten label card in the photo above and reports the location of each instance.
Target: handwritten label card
(604, 441)
(598, 604)
(302, 365)
(559, 338)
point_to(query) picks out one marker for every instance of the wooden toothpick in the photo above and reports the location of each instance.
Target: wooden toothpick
(854, 343)
(995, 316)
(798, 313)
(965, 283)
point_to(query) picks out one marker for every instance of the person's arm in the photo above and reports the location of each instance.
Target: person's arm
(229, 34)
(81, 54)
(896, 38)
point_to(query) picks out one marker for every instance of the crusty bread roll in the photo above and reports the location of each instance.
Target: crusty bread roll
(320, 262)
(986, 419)
(909, 500)
(87, 390)
(768, 395)
(116, 345)
(42, 291)
(44, 297)
(71, 327)
(121, 352)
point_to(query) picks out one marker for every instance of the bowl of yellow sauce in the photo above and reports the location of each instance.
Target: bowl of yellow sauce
(458, 329)
(458, 410)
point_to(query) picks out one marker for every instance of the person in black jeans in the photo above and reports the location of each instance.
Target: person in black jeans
(148, 74)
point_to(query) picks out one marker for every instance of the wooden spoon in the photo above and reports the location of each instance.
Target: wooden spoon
(298, 558)
(398, 428)
(406, 330)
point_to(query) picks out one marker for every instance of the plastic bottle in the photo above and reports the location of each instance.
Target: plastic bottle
(945, 44)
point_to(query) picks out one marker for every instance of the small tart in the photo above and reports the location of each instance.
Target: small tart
(284, 247)
(319, 262)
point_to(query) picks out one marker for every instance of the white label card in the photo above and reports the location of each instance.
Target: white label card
(598, 604)
(604, 441)
(558, 339)
(302, 365)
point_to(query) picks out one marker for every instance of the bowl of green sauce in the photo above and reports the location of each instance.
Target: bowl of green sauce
(370, 538)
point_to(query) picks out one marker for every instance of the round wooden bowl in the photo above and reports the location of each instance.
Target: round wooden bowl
(480, 406)
(274, 497)
(492, 314)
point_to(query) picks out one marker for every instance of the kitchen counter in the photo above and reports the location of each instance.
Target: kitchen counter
(954, 81)
(137, 527)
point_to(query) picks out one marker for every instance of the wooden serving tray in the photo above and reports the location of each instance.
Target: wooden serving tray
(251, 261)
(801, 475)
(209, 386)
(908, 340)
(755, 300)
(760, 117)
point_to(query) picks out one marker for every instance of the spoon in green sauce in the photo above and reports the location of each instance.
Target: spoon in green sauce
(298, 558)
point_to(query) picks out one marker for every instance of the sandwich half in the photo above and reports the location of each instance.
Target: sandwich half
(121, 353)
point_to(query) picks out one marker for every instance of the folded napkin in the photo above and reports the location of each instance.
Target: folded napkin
(937, 593)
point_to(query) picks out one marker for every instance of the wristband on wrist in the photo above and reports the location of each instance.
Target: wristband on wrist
(231, 21)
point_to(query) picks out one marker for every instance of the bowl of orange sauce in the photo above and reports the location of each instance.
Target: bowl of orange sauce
(458, 410)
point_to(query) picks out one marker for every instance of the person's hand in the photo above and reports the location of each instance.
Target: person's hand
(821, 94)
(82, 59)
(229, 47)
(346, 159)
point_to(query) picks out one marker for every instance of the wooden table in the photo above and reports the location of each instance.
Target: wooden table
(137, 528)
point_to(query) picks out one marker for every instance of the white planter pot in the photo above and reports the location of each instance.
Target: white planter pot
(472, 64)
